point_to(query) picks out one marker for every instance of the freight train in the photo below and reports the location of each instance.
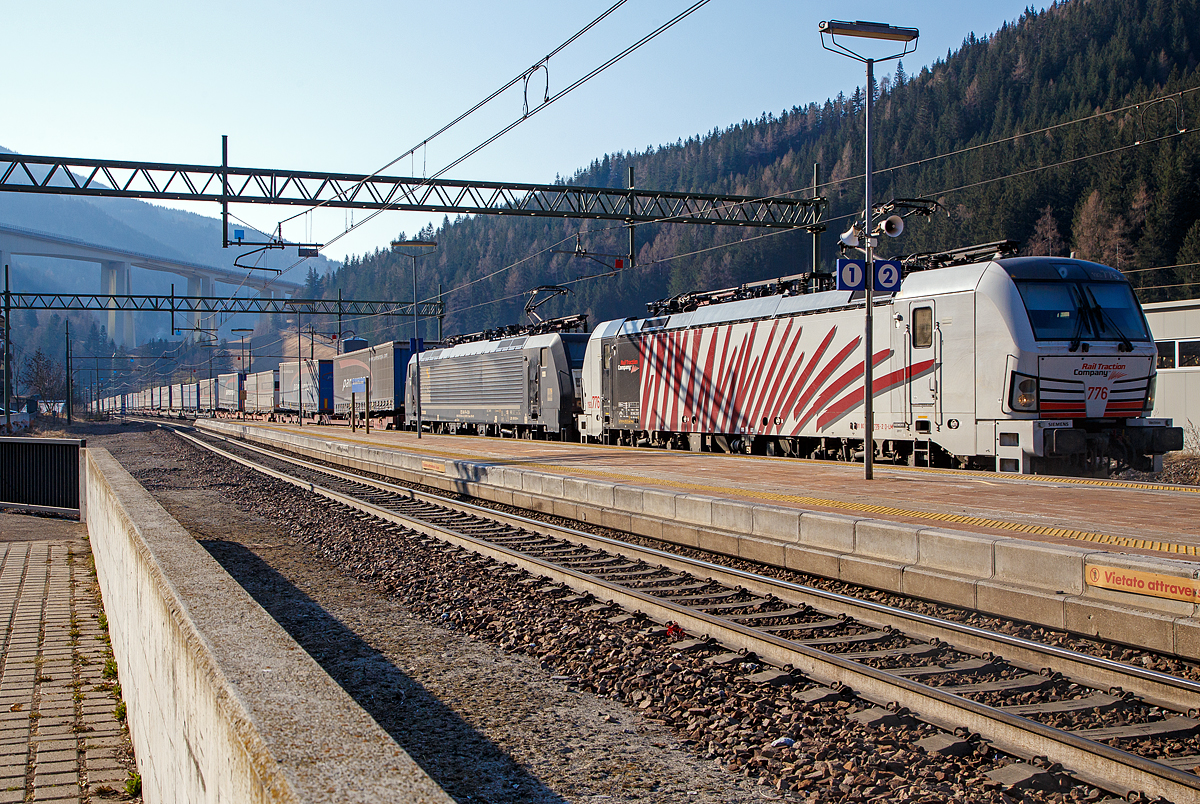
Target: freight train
(981, 359)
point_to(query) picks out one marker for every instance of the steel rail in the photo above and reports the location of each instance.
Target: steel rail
(1091, 762)
(1155, 688)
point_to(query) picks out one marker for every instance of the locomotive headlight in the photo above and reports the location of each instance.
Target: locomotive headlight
(1150, 388)
(1023, 395)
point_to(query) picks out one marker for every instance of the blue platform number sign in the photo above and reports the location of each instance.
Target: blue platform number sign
(851, 275)
(887, 276)
(358, 385)
(416, 345)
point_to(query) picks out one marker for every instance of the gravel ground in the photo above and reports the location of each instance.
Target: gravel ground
(488, 724)
(1144, 658)
(533, 697)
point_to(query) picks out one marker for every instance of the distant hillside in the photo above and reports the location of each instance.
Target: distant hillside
(1136, 208)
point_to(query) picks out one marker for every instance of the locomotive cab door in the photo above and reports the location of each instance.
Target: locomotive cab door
(608, 356)
(534, 374)
(917, 341)
(622, 384)
(547, 383)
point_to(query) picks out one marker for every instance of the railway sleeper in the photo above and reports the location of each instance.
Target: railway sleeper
(1171, 727)
(1029, 683)
(763, 615)
(1096, 702)
(967, 667)
(871, 636)
(919, 650)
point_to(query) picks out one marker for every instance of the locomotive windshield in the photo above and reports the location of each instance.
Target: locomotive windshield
(1083, 309)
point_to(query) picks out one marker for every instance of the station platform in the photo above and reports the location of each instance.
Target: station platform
(1112, 559)
(59, 738)
(1130, 517)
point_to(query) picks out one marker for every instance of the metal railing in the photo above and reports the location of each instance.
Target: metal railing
(43, 475)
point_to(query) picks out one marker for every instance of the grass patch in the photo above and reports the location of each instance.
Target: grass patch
(133, 785)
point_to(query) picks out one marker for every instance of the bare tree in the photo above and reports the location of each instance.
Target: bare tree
(1100, 235)
(1045, 241)
(44, 376)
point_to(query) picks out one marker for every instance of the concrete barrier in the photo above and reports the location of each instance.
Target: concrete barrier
(222, 704)
(1038, 582)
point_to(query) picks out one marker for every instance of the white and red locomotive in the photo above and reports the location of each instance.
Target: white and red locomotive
(1020, 364)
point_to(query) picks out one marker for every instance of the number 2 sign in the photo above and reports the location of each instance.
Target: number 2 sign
(852, 275)
(887, 276)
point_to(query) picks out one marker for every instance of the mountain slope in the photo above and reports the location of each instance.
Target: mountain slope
(1135, 206)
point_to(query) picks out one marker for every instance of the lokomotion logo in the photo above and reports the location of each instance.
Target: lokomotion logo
(1111, 371)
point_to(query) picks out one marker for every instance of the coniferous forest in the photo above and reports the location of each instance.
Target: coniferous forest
(1076, 129)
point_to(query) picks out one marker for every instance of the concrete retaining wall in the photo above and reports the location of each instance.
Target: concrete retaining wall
(1034, 581)
(222, 704)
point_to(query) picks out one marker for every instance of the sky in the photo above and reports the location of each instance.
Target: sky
(348, 87)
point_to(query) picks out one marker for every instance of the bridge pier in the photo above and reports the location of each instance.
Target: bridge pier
(114, 280)
(199, 285)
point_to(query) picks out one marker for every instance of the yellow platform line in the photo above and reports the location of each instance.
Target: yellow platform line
(868, 508)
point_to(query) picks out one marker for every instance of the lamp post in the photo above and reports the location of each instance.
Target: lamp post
(400, 246)
(242, 338)
(212, 390)
(888, 33)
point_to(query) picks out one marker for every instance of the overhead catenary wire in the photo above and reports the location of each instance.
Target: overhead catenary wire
(1045, 129)
(1161, 267)
(524, 75)
(852, 215)
(824, 185)
(527, 114)
(833, 183)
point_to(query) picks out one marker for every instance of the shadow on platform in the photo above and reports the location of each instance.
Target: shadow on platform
(446, 747)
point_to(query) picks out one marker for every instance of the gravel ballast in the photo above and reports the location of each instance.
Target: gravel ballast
(504, 689)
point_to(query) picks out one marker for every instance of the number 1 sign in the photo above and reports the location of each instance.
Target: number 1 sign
(852, 275)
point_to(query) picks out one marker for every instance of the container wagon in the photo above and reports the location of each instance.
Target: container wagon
(207, 401)
(316, 385)
(230, 392)
(386, 364)
(262, 393)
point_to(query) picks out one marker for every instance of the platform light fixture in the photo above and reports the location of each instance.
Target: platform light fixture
(242, 338)
(414, 249)
(907, 37)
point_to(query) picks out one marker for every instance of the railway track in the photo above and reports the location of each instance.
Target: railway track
(1121, 728)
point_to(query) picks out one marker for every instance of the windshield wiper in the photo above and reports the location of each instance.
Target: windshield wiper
(1080, 306)
(1126, 344)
